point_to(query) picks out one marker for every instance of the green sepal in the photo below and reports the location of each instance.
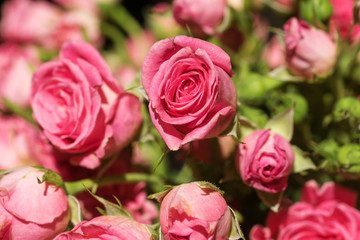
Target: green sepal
(282, 124)
(160, 195)
(154, 231)
(235, 232)
(112, 209)
(302, 163)
(272, 200)
(235, 131)
(75, 210)
(282, 74)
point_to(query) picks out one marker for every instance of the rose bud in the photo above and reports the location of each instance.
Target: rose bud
(274, 54)
(192, 211)
(80, 106)
(107, 227)
(191, 94)
(31, 209)
(309, 51)
(201, 16)
(265, 160)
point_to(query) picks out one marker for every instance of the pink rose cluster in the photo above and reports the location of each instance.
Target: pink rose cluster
(46, 24)
(325, 213)
(191, 94)
(81, 108)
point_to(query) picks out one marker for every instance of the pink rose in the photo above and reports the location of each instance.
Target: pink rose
(107, 227)
(328, 220)
(21, 144)
(29, 209)
(16, 65)
(202, 16)
(342, 19)
(274, 54)
(309, 51)
(74, 25)
(190, 90)
(28, 21)
(81, 108)
(321, 214)
(191, 211)
(260, 233)
(265, 160)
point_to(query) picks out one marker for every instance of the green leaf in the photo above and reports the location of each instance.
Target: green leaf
(302, 163)
(235, 232)
(75, 210)
(111, 208)
(161, 158)
(272, 200)
(120, 15)
(53, 177)
(282, 124)
(253, 86)
(17, 110)
(255, 115)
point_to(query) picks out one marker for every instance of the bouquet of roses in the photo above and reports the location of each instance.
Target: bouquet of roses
(198, 120)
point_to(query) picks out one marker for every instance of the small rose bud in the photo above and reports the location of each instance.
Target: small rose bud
(309, 51)
(192, 211)
(265, 161)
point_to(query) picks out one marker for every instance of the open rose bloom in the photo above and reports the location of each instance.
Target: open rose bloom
(326, 213)
(191, 94)
(81, 108)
